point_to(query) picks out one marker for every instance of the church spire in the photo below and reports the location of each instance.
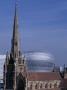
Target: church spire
(15, 38)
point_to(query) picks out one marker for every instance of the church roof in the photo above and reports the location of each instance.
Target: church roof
(42, 76)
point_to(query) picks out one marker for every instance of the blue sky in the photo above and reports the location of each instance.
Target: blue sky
(42, 25)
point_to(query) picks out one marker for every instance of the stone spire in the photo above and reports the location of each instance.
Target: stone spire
(15, 38)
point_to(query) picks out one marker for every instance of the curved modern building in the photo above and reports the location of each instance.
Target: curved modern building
(39, 61)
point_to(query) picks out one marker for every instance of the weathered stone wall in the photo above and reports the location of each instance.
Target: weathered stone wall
(34, 85)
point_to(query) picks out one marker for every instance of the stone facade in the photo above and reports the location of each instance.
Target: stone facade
(37, 85)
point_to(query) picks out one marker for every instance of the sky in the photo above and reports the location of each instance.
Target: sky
(42, 26)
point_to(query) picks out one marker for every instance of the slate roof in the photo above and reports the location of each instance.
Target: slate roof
(42, 76)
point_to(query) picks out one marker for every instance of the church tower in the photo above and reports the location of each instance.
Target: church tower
(15, 39)
(15, 68)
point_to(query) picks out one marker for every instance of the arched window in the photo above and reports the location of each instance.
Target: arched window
(50, 85)
(55, 85)
(31, 87)
(46, 85)
(21, 82)
(36, 86)
(41, 85)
